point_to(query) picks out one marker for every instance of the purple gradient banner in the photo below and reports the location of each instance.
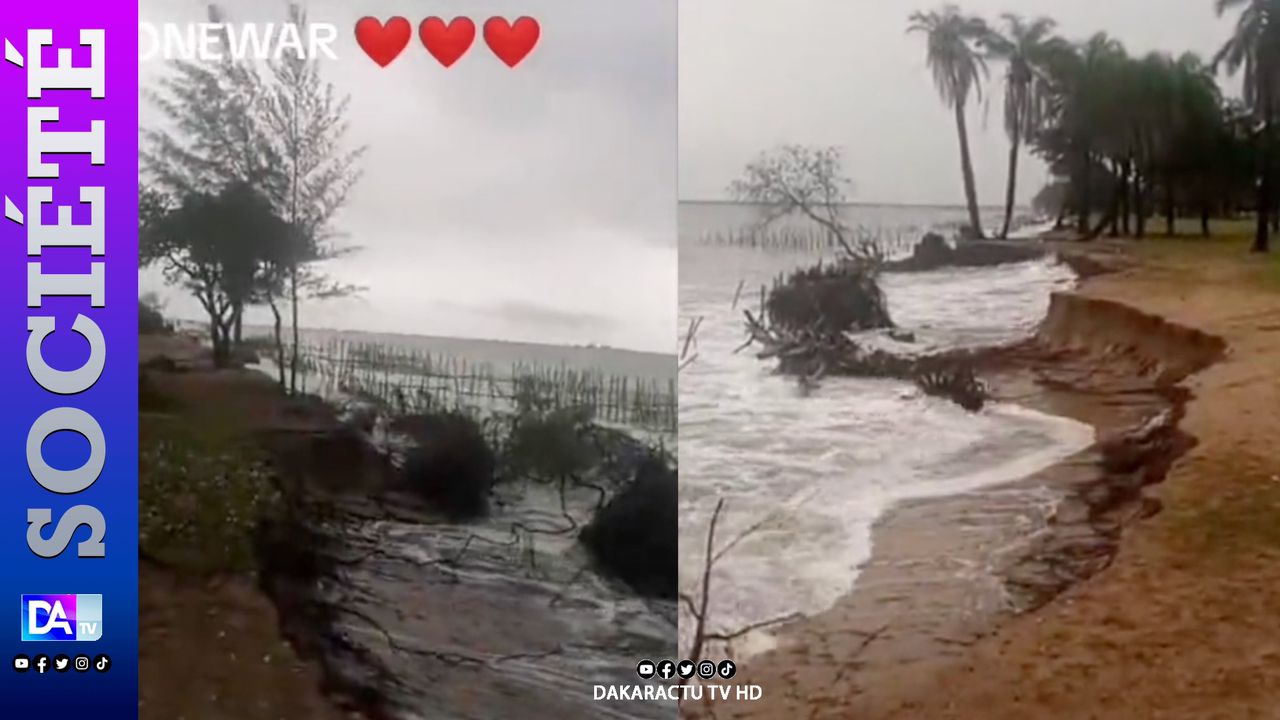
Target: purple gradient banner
(69, 430)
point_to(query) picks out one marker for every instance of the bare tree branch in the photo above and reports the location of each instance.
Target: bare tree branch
(690, 343)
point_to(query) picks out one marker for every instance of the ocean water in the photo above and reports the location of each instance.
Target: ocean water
(804, 478)
(504, 616)
(501, 617)
(502, 354)
(455, 622)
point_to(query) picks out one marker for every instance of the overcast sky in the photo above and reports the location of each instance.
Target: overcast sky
(757, 73)
(535, 203)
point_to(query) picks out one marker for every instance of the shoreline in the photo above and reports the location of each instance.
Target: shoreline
(1180, 625)
(950, 570)
(352, 574)
(264, 331)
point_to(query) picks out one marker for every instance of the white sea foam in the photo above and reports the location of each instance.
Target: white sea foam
(813, 473)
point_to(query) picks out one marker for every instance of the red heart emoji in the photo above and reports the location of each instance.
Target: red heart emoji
(449, 42)
(511, 42)
(383, 43)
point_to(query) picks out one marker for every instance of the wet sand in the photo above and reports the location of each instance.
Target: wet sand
(950, 597)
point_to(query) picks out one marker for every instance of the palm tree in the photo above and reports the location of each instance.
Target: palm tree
(1255, 47)
(1155, 118)
(1023, 46)
(1089, 122)
(1195, 123)
(958, 71)
(1143, 132)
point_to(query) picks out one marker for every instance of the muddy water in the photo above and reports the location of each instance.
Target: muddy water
(415, 618)
(496, 619)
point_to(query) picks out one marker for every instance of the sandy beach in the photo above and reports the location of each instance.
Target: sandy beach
(1105, 586)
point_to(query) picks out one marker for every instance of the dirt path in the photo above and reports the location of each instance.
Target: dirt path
(211, 646)
(212, 650)
(1184, 623)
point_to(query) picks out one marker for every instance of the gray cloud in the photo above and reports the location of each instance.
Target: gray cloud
(542, 315)
(550, 185)
(756, 73)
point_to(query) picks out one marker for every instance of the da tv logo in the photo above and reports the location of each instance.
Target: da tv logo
(76, 618)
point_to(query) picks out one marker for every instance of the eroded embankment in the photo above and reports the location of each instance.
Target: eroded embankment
(1109, 331)
(1119, 369)
(947, 571)
(1181, 625)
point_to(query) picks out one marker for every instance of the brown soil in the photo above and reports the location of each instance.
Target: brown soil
(1178, 624)
(211, 647)
(1183, 623)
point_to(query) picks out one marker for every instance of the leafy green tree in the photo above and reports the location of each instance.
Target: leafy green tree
(1148, 134)
(282, 133)
(1255, 48)
(212, 136)
(216, 246)
(1024, 47)
(1197, 124)
(1090, 80)
(958, 71)
(305, 122)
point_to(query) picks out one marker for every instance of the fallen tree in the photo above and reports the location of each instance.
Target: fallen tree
(806, 318)
(633, 537)
(813, 352)
(933, 252)
(829, 298)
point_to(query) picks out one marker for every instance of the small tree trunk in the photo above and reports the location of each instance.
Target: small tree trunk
(1125, 172)
(1011, 190)
(1082, 217)
(219, 337)
(278, 336)
(1275, 198)
(1170, 206)
(1139, 206)
(1107, 219)
(237, 325)
(227, 347)
(966, 167)
(1262, 239)
(1117, 200)
(1061, 220)
(215, 341)
(293, 303)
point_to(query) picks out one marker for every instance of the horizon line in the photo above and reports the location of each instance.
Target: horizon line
(851, 203)
(403, 333)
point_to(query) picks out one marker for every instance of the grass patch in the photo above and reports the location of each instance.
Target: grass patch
(1269, 273)
(1186, 253)
(151, 398)
(1240, 524)
(202, 491)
